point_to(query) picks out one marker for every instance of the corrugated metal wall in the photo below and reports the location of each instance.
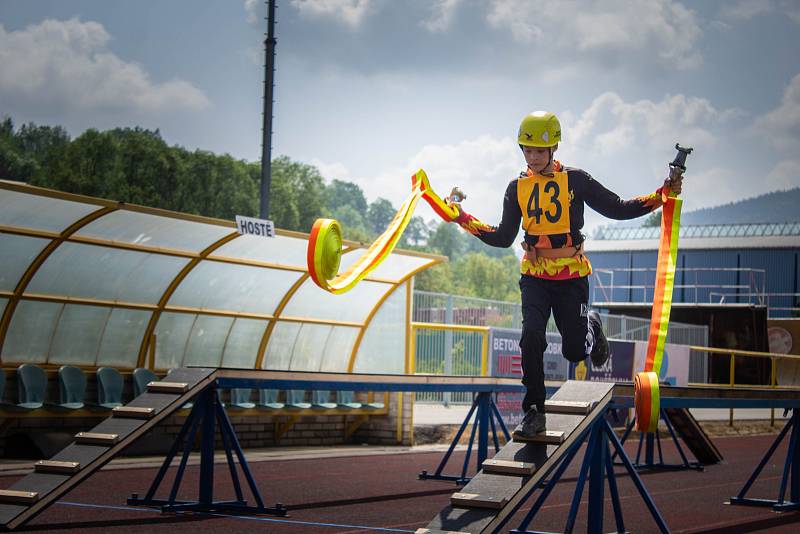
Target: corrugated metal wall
(701, 278)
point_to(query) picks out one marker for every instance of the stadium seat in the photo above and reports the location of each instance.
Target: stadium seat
(373, 405)
(71, 387)
(268, 398)
(240, 398)
(346, 399)
(109, 387)
(142, 377)
(32, 383)
(321, 398)
(295, 398)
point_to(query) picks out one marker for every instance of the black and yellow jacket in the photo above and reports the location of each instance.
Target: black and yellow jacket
(550, 209)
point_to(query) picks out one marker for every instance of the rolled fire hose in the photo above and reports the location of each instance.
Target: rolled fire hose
(647, 398)
(325, 242)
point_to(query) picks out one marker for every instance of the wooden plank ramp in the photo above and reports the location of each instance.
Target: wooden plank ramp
(491, 497)
(693, 435)
(91, 450)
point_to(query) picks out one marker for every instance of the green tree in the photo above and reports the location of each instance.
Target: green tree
(479, 275)
(340, 193)
(297, 194)
(379, 214)
(446, 239)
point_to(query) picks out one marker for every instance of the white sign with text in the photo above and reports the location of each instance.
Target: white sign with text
(253, 226)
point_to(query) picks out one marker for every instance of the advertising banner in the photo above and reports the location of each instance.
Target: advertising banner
(506, 362)
(674, 366)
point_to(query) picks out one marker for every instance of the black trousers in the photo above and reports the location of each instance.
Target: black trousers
(569, 302)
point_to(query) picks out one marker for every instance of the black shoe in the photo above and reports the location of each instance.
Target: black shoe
(599, 353)
(533, 423)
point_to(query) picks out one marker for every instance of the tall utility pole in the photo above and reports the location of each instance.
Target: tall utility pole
(266, 132)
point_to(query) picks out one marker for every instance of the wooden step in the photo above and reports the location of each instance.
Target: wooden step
(18, 497)
(96, 438)
(473, 500)
(55, 466)
(509, 467)
(133, 412)
(168, 387)
(568, 407)
(551, 437)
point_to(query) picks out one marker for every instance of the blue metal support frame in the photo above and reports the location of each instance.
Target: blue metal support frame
(597, 465)
(486, 412)
(207, 412)
(651, 438)
(791, 471)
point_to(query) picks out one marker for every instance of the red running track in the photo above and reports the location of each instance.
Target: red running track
(381, 493)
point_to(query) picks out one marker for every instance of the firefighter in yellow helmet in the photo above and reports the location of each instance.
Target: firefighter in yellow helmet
(547, 199)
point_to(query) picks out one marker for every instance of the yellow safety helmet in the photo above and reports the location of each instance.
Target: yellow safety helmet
(539, 129)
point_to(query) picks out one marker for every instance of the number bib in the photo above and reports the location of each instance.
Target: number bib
(544, 201)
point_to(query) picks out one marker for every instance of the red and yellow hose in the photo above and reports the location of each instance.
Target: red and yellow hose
(646, 392)
(324, 252)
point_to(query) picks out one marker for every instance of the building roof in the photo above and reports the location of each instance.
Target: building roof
(715, 236)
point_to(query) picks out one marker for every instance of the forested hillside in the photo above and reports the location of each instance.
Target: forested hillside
(137, 166)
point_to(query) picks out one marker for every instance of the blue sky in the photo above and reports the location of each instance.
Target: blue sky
(371, 90)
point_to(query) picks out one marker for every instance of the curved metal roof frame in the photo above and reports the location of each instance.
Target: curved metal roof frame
(103, 208)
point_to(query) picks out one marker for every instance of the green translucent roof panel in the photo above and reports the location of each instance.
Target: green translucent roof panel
(382, 349)
(23, 210)
(241, 348)
(306, 354)
(352, 306)
(155, 231)
(172, 333)
(396, 266)
(122, 338)
(239, 288)
(278, 354)
(280, 250)
(78, 333)
(17, 254)
(207, 340)
(338, 349)
(90, 271)
(30, 332)
(3, 303)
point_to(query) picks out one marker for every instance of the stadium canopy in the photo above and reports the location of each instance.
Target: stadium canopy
(92, 282)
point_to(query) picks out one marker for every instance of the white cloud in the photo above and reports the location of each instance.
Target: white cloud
(784, 175)
(442, 12)
(252, 9)
(332, 171)
(663, 29)
(746, 9)
(611, 126)
(350, 12)
(781, 126)
(67, 64)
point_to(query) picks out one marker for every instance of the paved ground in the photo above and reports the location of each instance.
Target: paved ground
(377, 490)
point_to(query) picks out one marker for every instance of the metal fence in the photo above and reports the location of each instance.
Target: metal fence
(433, 344)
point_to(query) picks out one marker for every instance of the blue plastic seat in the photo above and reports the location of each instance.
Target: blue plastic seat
(346, 399)
(240, 398)
(268, 398)
(142, 377)
(295, 398)
(109, 387)
(321, 398)
(31, 383)
(373, 405)
(71, 387)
